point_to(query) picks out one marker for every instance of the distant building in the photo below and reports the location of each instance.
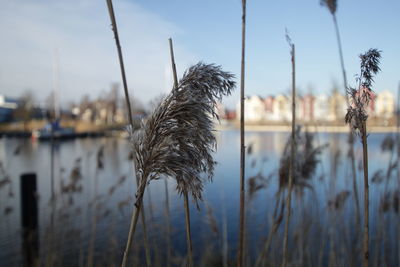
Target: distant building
(7, 107)
(269, 107)
(337, 107)
(254, 109)
(385, 106)
(307, 108)
(321, 108)
(281, 108)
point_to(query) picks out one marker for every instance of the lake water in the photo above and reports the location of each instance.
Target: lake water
(94, 214)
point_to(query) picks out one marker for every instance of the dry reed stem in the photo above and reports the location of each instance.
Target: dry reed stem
(171, 50)
(240, 257)
(121, 59)
(351, 151)
(132, 228)
(366, 197)
(168, 224)
(188, 234)
(332, 7)
(292, 167)
(398, 135)
(129, 109)
(185, 194)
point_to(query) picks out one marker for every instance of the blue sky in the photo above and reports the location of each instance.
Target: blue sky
(202, 30)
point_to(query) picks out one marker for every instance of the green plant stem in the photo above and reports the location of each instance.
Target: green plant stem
(366, 197)
(240, 257)
(188, 233)
(292, 167)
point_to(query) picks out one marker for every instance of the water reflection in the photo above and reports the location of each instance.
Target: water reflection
(83, 191)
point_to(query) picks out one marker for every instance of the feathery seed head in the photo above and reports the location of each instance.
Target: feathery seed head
(177, 140)
(330, 4)
(360, 97)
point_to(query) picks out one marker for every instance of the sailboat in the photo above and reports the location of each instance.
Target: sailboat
(53, 129)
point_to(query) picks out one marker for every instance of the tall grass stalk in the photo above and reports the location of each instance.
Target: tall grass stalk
(168, 223)
(398, 135)
(185, 193)
(187, 226)
(132, 227)
(121, 59)
(398, 160)
(366, 194)
(332, 7)
(357, 118)
(240, 257)
(293, 146)
(177, 139)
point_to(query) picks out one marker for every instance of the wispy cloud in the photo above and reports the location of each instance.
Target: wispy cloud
(80, 31)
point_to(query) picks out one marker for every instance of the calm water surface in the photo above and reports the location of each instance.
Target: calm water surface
(107, 194)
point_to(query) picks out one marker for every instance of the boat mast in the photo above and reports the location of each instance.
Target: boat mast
(56, 86)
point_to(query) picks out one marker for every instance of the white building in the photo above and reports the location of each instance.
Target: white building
(384, 105)
(254, 109)
(321, 108)
(282, 108)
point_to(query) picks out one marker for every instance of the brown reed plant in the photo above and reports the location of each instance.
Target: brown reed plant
(357, 118)
(292, 152)
(398, 134)
(332, 7)
(185, 194)
(129, 109)
(177, 139)
(240, 257)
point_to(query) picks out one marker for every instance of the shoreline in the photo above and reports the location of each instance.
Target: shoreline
(310, 128)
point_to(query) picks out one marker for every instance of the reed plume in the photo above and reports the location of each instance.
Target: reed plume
(177, 139)
(357, 117)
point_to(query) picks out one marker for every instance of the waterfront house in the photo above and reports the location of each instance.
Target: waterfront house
(385, 106)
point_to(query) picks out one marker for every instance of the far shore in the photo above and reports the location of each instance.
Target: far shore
(311, 128)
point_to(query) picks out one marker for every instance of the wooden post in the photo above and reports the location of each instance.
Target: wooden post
(29, 219)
